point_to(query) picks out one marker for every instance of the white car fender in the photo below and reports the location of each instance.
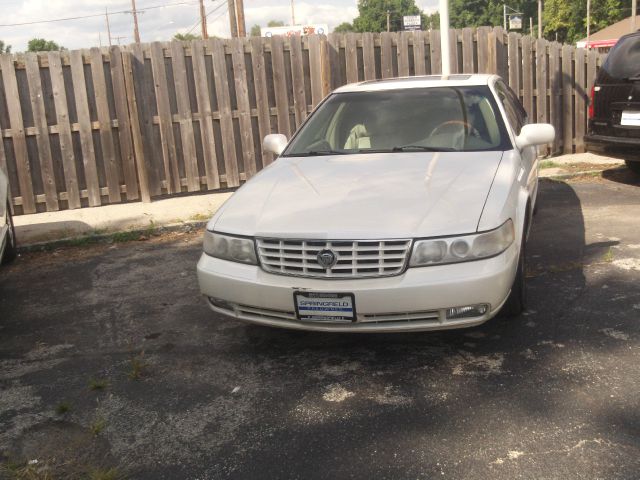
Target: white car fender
(508, 196)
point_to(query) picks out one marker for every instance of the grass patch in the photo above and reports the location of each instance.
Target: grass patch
(26, 471)
(62, 408)
(608, 257)
(105, 474)
(549, 164)
(200, 217)
(137, 367)
(97, 384)
(98, 426)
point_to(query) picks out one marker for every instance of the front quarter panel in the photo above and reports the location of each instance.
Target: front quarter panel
(508, 195)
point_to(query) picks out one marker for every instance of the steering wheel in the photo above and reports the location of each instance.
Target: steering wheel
(466, 125)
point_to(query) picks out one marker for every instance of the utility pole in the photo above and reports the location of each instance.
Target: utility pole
(539, 18)
(106, 15)
(634, 11)
(293, 14)
(444, 38)
(531, 26)
(118, 38)
(504, 16)
(136, 32)
(388, 21)
(233, 25)
(203, 20)
(588, 22)
(242, 28)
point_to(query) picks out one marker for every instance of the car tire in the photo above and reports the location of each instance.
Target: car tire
(11, 249)
(517, 301)
(634, 166)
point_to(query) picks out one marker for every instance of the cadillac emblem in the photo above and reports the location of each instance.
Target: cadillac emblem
(326, 259)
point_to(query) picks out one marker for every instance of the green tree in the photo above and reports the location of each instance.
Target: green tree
(255, 31)
(4, 48)
(42, 45)
(186, 37)
(372, 14)
(344, 27)
(275, 23)
(568, 20)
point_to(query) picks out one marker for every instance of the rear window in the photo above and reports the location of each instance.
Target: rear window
(623, 61)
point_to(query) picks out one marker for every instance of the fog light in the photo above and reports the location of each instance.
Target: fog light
(467, 311)
(216, 302)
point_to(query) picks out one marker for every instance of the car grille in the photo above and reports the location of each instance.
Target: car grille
(355, 258)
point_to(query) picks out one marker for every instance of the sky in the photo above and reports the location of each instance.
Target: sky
(174, 16)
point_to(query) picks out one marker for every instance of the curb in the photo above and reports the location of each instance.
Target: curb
(109, 237)
(565, 176)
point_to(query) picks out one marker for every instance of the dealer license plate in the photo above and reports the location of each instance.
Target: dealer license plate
(325, 307)
(630, 119)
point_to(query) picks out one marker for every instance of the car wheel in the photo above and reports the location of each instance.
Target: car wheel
(634, 166)
(517, 301)
(11, 249)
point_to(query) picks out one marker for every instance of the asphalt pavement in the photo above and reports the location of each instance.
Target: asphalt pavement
(111, 361)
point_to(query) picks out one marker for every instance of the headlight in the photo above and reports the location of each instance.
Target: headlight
(462, 249)
(234, 249)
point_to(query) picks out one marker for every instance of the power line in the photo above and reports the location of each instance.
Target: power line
(95, 15)
(207, 16)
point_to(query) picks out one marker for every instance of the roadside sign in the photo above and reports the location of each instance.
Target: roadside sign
(412, 22)
(515, 22)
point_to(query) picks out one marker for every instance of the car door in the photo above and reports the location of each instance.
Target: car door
(517, 118)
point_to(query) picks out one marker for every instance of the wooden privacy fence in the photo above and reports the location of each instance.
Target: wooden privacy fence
(92, 127)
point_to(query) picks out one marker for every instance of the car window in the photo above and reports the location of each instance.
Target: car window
(438, 118)
(516, 115)
(623, 61)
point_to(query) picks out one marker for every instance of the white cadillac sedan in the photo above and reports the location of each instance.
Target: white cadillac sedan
(7, 232)
(399, 205)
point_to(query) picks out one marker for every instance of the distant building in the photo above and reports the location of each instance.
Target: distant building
(606, 38)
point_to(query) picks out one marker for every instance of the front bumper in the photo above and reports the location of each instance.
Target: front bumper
(414, 301)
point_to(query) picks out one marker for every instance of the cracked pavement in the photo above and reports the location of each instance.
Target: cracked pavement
(554, 393)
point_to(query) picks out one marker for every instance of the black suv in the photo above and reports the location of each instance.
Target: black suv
(614, 110)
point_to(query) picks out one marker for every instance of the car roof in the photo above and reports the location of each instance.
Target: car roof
(424, 81)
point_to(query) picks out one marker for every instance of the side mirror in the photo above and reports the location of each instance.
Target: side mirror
(535, 134)
(274, 143)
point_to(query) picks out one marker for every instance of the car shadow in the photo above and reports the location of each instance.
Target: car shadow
(622, 175)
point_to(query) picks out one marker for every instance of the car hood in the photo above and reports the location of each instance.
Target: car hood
(363, 196)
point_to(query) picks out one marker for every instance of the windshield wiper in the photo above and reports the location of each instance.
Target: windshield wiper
(316, 153)
(422, 148)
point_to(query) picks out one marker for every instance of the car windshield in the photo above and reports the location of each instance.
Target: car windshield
(623, 61)
(408, 120)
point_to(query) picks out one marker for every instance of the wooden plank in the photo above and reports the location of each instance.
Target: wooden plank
(592, 59)
(403, 54)
(527, 77)
(136, 132)
(541, 86)
(127, 153)
(42, 131)
(500, 61)
(419, 54)
(368, 56)
(567, 99)
(351, 58)
(580, 99)
(453, 50)
(515, 63)
(297, 79)
(104, 117)
(204, 109)
(555, 108)
(436, 54)
(244, 108)
(386, 52)
(19, 141)
(262, 102)
(484, 58)
(325, 67)
(467, 51)
(84, 122)
(280, 85)
(183, 102)
(317, 68)
(335, 66)
(167, 140)
(224, 107)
